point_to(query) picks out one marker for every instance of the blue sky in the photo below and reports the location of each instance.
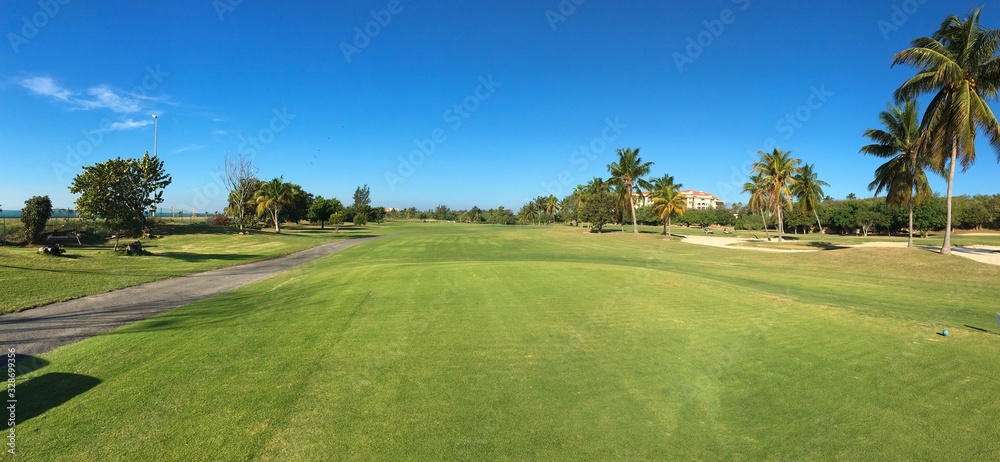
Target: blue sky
(448, 102)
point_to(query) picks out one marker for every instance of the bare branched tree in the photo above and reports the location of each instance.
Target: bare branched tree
(241, 182)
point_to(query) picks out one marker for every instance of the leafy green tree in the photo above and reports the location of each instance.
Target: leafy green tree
(377, 214)
(905, 144)
(776, 169)
(362, 202)
(667, 203)
(930, 215)
(629, 172)
(337, 219)
(272, 197)
(121, 191)
(35, 215)
(808, 190)
(298, 210)
(959, 64)
(321, 210)
(598, 209)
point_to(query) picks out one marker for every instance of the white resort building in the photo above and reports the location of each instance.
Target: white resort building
(696, 200)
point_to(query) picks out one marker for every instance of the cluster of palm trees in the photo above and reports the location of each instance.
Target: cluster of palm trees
(627, 181)
(778, 182)
(538, 208)
(959, 66)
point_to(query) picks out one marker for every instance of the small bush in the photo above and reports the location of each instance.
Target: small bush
(218, 220)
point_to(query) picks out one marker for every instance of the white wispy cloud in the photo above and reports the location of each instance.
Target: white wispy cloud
(191, 147)
(45, 86)
(220, 133)
(129, 124)
(96, 97)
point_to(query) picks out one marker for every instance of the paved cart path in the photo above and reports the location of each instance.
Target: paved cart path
(47, 327)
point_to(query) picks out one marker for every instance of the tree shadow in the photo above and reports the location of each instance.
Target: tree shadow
(826, 246)
(24, 364)
(49, 391)
(191, 257)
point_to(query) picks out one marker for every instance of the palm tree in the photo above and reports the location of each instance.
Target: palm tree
(902, 177)
(808, 189)
(758, 198)
(272, 196)
(664, 182)
(629, 170)
(549, 205)
(776, 170)
(960, 65)
(659, 187)
(669, 202)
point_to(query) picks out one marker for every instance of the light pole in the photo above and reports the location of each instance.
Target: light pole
(155, 128)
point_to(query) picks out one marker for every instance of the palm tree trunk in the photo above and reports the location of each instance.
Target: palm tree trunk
(764, 219)
(909, 239)
(631, 210)
(946, 246)
(665, 232)
(668, 225)
(815, 214)
(781, 226)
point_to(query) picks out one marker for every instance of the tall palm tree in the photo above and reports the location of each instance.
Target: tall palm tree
(630, 170)
(776, 169)
(272, 196)
(758, 198)
(903, 142)
(667, 203)
(808, 189)
(960, 65)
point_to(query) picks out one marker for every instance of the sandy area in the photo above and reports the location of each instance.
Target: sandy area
(981, 253)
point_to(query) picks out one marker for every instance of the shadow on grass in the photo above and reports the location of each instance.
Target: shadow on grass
(826, 246)
(24, 364)
(46, 392)
(980, 329)
(191, 257)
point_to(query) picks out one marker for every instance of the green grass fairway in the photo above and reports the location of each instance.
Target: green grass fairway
(531, 343)
(29, 279)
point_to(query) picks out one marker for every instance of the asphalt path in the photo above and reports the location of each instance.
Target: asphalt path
(45, 328)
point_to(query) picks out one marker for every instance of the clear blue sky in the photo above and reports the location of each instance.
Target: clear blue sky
(292, 84)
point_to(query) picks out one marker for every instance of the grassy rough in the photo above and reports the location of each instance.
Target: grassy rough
(551, 344)
(29, 279)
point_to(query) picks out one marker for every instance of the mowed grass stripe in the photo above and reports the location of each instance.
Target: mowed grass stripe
(411, 348)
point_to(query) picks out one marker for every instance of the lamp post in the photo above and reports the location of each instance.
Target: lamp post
(155, 129)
